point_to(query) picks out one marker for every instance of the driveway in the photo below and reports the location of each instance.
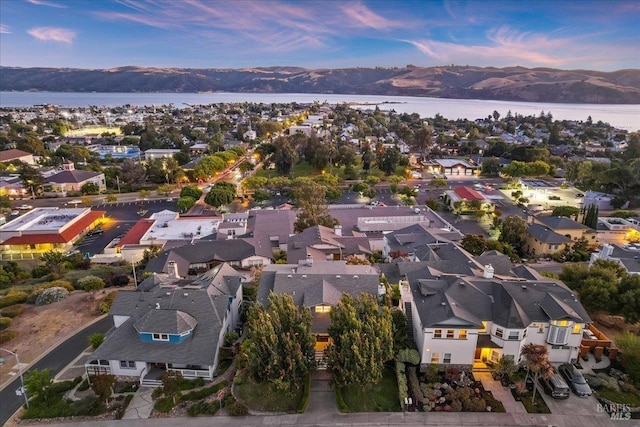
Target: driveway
(574, 405)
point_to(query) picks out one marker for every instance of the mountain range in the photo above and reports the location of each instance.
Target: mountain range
(456, 82)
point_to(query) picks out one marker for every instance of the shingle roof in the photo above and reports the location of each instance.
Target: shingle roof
(74, 176)
(12, 154)
(545, 234)
(468, 193)
(561, 223)
(165, 321)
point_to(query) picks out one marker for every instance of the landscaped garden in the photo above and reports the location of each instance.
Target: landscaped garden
(265, 396)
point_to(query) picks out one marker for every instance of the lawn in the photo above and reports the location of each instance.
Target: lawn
(264, 396)
(539, 407)
(381, 397)
(632, 399)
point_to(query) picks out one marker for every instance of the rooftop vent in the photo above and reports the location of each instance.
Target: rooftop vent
(443, 304)
(304, 276)
(157, 306)
(186, 294)
(289, 276)
(355, 277)
(337, 276)
(524, 287)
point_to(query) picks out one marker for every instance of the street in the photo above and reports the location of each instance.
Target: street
(55, 360)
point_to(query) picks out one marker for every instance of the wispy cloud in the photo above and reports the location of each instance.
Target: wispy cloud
(46, 3)
(361, 16)
(503, 44)
(4, 29)
(53, 34)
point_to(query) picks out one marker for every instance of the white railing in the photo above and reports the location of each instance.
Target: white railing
(193, 373)
(142, 374)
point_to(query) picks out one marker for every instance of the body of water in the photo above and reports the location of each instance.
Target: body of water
(620, 116)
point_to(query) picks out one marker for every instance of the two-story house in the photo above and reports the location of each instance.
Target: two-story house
(170, 324)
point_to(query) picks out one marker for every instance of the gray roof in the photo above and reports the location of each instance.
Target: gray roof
(409, 239)
(322, 283)
(561, 223)
(546, 235)
(165, 321)
(202, 251)
(74, 176)
(172, 306)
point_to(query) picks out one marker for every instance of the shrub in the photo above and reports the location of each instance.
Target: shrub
(90, 283)
(414, 386)
(12, 298)
(123, 407)
(33, 298)
(5, 322)
(208, 408)
(13, 311)
(96, 339)
(118, 280)
(236, 409)
(40, 271)
(230, 338)
(89, 406)
(84, 385)
(304, 402)
(106, 303)
(163, 405)
(191, 384)
(6, 336)
(342, 406)
(204, 392)
(51, 295)
(408, 355)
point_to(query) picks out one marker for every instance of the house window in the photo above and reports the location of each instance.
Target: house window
(450, 333)
(495, 356)
(437, 333)
(323, 308)
(462, 335)
(160, 337)
(499, 332)
(576, 329)
(446, 358)
(435, 357)
(127, 364)
(558, 335)
(514, 335)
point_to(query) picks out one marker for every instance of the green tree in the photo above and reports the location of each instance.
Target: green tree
(474, 244)
(629, 297)
(629, 345)
(133, 174)
(362, 340)
(513, 230)
(390, 160)
(191, 191)
(90, 188)
(38, 385)
(222, 193)
(284, 156)
(185, 203)
(422, 140)
(280, 347)
(172, 385)
(165, 189)
(490, 167)
(54, 260)
(311, 199)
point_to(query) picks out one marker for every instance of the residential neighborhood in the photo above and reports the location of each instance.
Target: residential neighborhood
(239, 251)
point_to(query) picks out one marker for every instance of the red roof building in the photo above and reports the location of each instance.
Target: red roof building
(468, 193)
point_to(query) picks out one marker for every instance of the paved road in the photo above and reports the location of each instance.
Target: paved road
(55, 360)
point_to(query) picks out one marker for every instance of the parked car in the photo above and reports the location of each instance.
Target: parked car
(555, 386)
(25, 207)
(575, 379)
(579, 195)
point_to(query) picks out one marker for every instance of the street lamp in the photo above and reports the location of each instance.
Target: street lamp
(22, 391)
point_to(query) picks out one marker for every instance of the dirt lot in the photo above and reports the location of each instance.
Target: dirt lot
(40, 327)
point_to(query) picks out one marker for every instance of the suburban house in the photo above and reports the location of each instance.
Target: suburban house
(70, 179)
(628, 256)
(462, 199)
(617, 230)
(13, 187)
(14, 154)
(318, 285)
(468, 313)
(413, 242)
(193, 258)
(451, 167)
(44, 229)
(551, 234)
(325, 244)
(170, 324)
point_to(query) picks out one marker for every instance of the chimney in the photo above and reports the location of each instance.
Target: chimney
(173, 270)
(309, 260)
(488, 272)
(338, 230)
(529, 218)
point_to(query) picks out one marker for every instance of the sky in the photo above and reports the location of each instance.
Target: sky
(95, 34)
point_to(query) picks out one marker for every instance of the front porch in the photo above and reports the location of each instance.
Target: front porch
(487, 353)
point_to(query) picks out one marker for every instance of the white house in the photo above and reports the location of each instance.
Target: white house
(169, 324)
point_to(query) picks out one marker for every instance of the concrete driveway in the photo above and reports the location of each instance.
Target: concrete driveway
(574, 405)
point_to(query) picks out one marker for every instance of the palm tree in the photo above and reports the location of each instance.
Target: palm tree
(536, 357)
(504, 368)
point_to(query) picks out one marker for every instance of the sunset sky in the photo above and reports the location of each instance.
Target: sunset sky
(587, 34)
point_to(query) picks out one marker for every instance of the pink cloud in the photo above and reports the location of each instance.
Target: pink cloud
(54, 34)
(4, 29)
(361, 16)
(46, 3)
